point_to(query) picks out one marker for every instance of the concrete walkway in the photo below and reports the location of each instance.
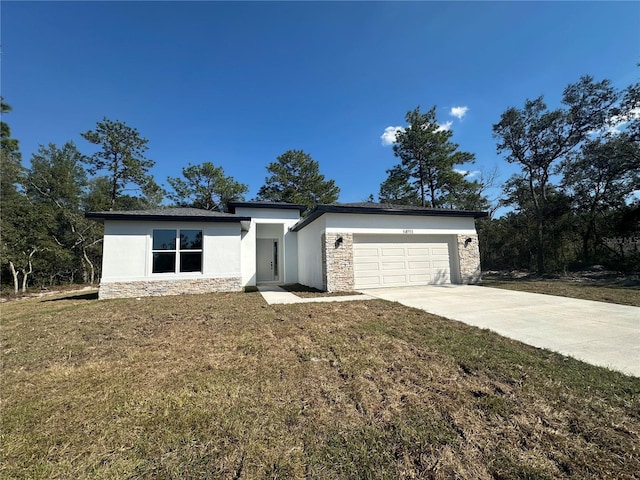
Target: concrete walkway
(598, 333)
(274, 295)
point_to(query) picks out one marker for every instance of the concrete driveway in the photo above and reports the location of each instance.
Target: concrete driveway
(598, 333)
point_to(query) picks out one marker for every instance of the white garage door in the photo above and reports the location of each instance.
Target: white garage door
(395, 260)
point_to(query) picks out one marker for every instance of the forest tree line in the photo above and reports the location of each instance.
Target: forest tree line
(574, 201)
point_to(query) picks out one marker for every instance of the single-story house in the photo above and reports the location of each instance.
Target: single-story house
(338, 247)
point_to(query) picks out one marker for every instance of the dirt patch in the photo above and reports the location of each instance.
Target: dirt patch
(596, 285)
(57, 291)
(304, 291)
(595, 275)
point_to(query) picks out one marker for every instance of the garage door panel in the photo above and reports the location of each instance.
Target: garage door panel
(363, 252)
(393, 270)
(395, 260)
(419, 265)
(373, 281)
(441, 264)
(420, 278)
(366, 266)
(393, 266)
(414, 252)
(440, 278)
(368, 273)
(392, 252)
(394, 279)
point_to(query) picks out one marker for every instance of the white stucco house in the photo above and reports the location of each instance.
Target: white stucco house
(338, 247)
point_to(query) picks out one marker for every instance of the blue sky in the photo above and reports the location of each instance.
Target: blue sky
(238, 84)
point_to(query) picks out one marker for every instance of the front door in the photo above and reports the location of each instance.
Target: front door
(267, 260)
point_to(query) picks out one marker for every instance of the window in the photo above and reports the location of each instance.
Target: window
(185, 246)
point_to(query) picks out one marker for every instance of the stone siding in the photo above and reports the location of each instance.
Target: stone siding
(469, 258)
(337, 262)
(158, 288)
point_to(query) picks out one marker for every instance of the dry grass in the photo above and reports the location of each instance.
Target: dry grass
(585, 290)
(224, 386)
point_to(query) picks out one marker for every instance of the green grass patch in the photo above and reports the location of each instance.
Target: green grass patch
(225, 386)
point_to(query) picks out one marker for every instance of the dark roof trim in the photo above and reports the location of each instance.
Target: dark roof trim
(163, 217)
(278, 205)
(374, 209)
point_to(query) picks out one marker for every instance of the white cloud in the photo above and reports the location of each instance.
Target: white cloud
(443, 127)
(389, 135)
(458, 112)
(467, 173)
(617, 122)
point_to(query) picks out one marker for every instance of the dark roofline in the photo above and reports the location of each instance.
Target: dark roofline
(320, 210)
(163, 217)
(257, 204)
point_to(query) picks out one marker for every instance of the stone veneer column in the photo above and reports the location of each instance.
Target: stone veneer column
(337, 262)
(469, 259)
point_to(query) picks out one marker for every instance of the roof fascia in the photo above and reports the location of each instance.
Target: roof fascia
(164, 218)
(322, 209)
(276, 206)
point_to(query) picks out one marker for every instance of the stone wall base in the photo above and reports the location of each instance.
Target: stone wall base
(159, 288)
(469, 258)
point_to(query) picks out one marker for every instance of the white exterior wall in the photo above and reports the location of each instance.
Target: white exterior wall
(127, 250)
(310, 253)
(274, 223)
(310, 247)
(398, 224)
(272, 215)
(406, 225)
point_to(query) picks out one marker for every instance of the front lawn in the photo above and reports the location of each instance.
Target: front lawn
(225, 386)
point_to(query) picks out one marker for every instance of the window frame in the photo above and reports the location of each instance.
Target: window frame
(177, 251)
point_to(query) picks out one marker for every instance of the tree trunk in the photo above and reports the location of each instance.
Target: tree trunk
(539, 222)
(540, 243)
(589, 242)
(585, 247)
(432, 190)
(91, 267)
(26, 273)
(421, 173)
(590, 234)
(114, 184)
(14, 273)
(85, 273)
